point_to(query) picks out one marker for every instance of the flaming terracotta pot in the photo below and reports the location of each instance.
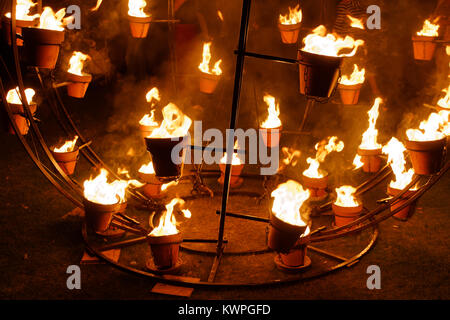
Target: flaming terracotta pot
(349, 93)
(6, 26)
(345, 215)
(98, 216)
(235, 174)
(271, 136)
(78, 84)
(208, 82)
(42, 46)
(316, 186)
(318, 74)
(371, 159)
(152, 187)
(161, 152)
(426, 156)
(282, 235)
(408, 210)
(289, 32)
(296, 256)
(165, 250)
(139, 26)
(146, 130)
(22, 124)
(424, 47)
(67, 160)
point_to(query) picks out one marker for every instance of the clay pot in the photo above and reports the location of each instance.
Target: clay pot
(78, 84)
(161, 152)
(235, 174)
(289, 32)
(371, 159)
(42, 46)
(152, 187)
(316, 186)
(139, 26)
(426, 156)
(98, 216)
(296, 256)
(408, 210)
(67, 160)
(208, 82)
(349, 93)
(345, 215)
(6, 26)
(22, 124)
(271, 136)
(282, 235)
(165, 250)
(424, 47)
(318, 74)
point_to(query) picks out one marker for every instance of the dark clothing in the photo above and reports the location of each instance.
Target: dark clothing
(342, 23)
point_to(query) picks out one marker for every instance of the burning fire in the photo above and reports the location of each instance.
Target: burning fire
(220, 15)
(395, 151)
(147, 168)
(52, 21)
(68, 146)
(445, 101)
(206, 56)
(167, 224)
(136, 8)
(175, 123)
(429, 130)
(369, 137)
(445, 125)
(346, 197)
(97, 6)
(23, 9)
(355, 23)
(288, 199)
(322, 151)
(165, 186)
(357, 76)
(98, 190)
(291, 156)
(149, 120)
(153, 93)
(319, 42)
(273, 109)
(76, 63)
(294, 17)
(14, 98)
(429, 29)
(235, 158)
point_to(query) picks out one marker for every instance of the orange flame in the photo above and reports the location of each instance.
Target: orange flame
(206, 58)
(98, 190)
(291, 156)
(273, 109)
(13, 96)
(369, 137)
(68, 146)
(357, 163)
(355, 23)
(175, 123)
(294, 16)
(167, 224)
(357, 76)
(346, 197)
(288, 199)
(97, 6)
(136, 8)
(220, 15)
(23, 9)
(445, 101)
(395, 151)
(235, 159)
(323, 150)
(147, 168)
(429, 29)
(76, 63)
(52, 21)
(429, 130)
(149, 120)
(166, 186)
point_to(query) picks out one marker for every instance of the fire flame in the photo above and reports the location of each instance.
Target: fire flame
(76, 63)
(98, 190)
(291, 156)
(147, 168)
(429, 130)
(429, 29)
(319, 42)
(153, 93)
(165, 186)
(206, 58)
(136, 8)
(355, 23)
(395, 151)
(445, 125)
(97, 6)
(294, 17)
(13, 96)
(357, 163)
(175, 123)
(68, 146)
(52, 21)
(273, 109)
(445, 101)
(346, 197)
(369, 137)
(357, 76)
(235, 160)
(149, 120)
(23, 9)
(322, 151)
(167, 224)
(288, 199)
(220, 15)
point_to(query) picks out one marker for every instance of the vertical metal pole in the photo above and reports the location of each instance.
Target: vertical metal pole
(245, 16)
(172, 44)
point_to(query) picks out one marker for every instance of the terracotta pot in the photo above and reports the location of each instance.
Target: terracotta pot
(316, 186)
(22, 124)
(139, 26)
(349, 93)
(371, 159)
(408, 210)
(271, 136)
(345, 215)
(146, 130)
(289, 32)
(78, 84)
(296, 256)
(42, 46)
(282, 235)
(318, 74)
(426, 156)
(67, 160)
(161, 152)
(152, 188)
(235, 173)
(208, 82)
(424, 47)
(98, 216)
(18, 108)
(165, 250)
(6, 26)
